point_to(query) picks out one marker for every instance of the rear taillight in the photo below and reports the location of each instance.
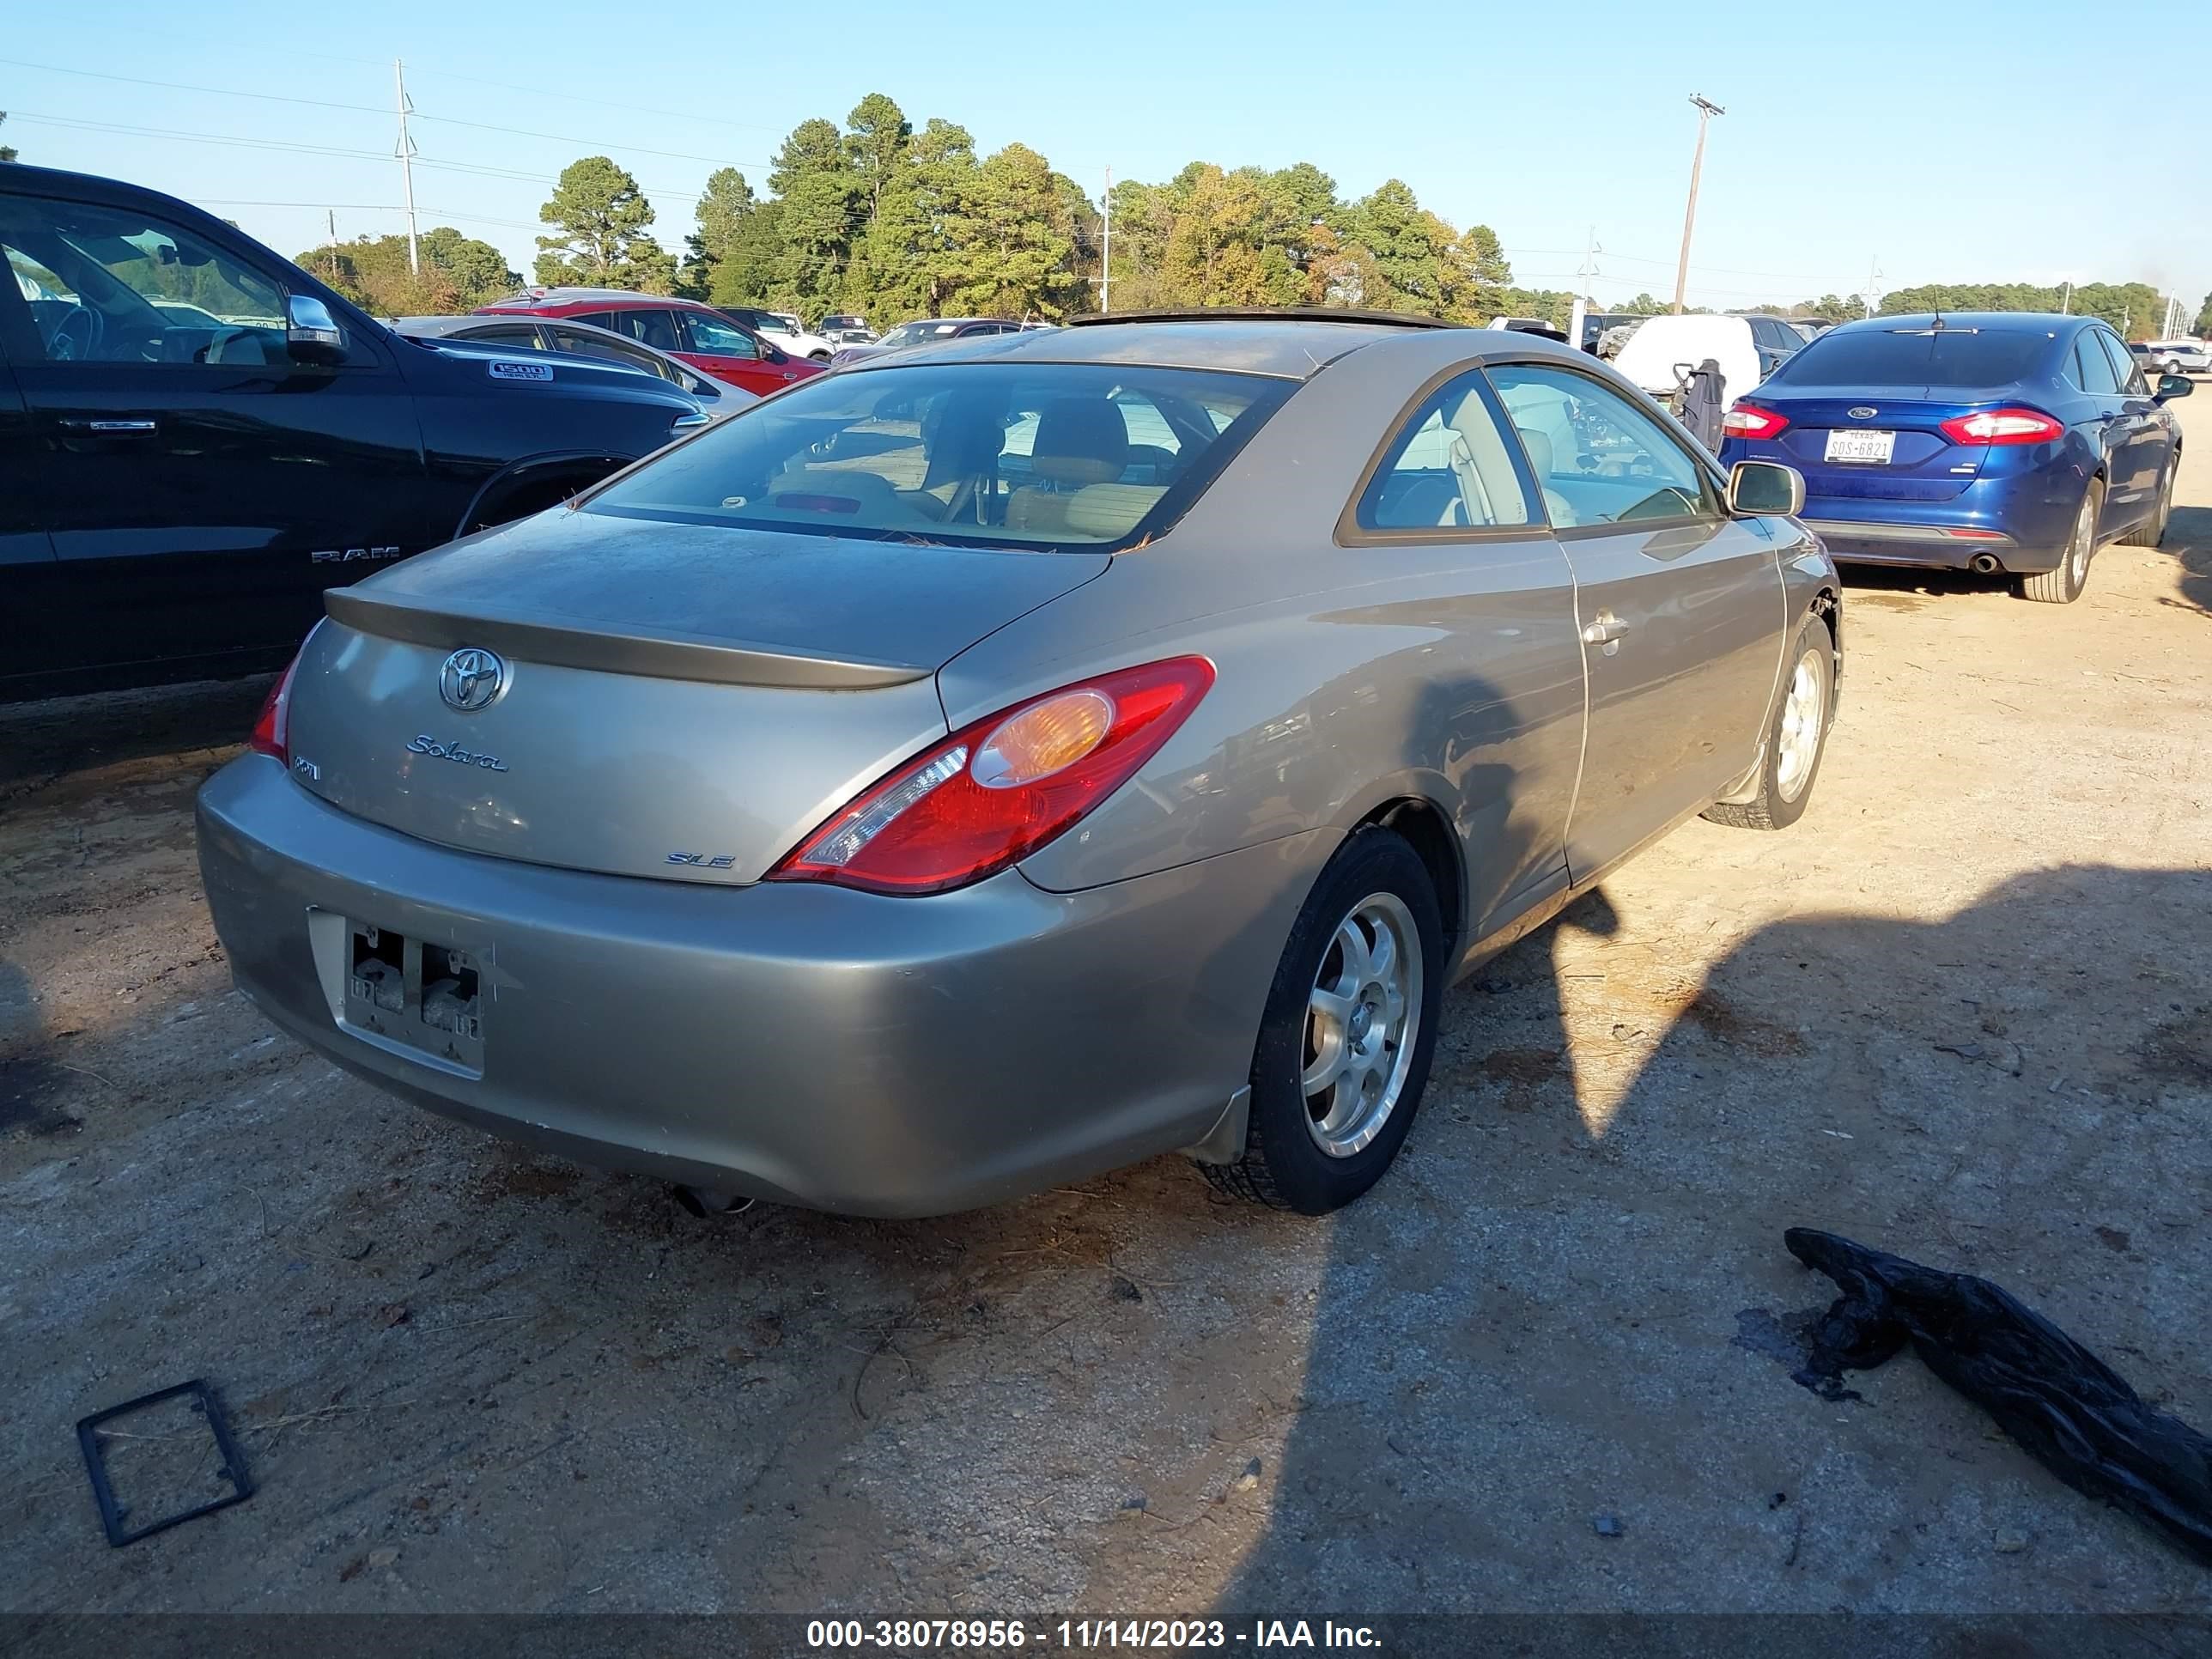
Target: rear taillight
(2003, 425)
(1750, 420)
(271, 728)
(996, 791)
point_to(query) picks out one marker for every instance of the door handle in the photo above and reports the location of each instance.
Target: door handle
(1605, 629)
(110, 428)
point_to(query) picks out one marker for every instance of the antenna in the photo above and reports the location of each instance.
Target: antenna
(404, 150)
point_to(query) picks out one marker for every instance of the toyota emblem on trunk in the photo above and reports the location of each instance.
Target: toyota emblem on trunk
(472, 679)
(1862, 412)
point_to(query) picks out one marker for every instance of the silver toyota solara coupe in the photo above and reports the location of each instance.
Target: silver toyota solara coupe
(1022, 756)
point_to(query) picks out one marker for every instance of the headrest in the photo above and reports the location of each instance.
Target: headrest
(1080, 440)
(1539, 446)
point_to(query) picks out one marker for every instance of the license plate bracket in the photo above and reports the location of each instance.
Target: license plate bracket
(416, 993)
(1859, 446)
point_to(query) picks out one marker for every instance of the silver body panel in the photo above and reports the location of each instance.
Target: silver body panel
(700, 688)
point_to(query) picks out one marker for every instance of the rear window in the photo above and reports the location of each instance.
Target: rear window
(1045, 455)
(1917, 356)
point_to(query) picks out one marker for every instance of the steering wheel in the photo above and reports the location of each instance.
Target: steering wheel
(80, 325)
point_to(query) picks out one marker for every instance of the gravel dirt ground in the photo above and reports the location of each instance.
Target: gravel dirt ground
(1961, 1012)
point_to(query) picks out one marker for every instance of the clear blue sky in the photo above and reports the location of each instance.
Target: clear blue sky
(2021, 146)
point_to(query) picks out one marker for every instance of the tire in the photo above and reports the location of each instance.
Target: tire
(2064, 586)
(2151, 530)
(1375, 884)
(817, 357)
(1803, 714)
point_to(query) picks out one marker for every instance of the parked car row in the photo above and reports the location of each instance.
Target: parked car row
(828, 717)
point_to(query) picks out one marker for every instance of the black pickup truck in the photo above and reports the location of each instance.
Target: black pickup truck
(196, 438)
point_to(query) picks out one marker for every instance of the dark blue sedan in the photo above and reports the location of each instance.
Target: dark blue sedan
(2011, 442)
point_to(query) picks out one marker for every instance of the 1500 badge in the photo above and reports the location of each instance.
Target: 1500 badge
(454, 753)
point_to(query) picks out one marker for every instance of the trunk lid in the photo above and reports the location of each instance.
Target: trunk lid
(675, 700)
(1924, 465)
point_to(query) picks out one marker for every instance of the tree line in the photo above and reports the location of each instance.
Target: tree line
(889, 222)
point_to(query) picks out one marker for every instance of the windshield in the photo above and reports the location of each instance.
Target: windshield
(1046, 455)
(1917, 355)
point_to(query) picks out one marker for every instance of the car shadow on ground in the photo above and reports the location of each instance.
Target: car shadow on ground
(42, 741)
(2188, 539)
(1549, 1360)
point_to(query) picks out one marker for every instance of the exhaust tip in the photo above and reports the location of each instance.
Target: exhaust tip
(707, 1201)
(1984, 564)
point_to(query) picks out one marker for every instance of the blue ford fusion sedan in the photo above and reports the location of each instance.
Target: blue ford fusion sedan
(2013, 443)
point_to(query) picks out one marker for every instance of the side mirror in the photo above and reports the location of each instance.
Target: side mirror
(2172, 386)
(312, 335)
(1756, 488)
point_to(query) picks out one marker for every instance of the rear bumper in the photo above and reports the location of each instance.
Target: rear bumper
(1863, 542)
(833, 1049)
(2022, 521)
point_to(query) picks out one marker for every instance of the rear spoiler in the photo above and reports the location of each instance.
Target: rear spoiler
(657, 655)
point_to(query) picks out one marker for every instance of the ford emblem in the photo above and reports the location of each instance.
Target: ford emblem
(1862, 412)
(472, 679)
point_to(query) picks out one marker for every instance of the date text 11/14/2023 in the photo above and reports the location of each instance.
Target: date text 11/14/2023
(1009, 1635)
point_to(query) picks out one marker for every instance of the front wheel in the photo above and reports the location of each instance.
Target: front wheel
(2064, 586)
(1348, 1034)
(1796, 740)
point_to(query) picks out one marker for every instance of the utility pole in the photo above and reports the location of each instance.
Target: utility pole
(1583, 273)
(405, 151)
(1872, 297)
(1707, 111)
(2066, 300)
(330, 217)
(1106, 253)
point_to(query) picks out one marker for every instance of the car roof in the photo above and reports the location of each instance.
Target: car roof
(1294, 347)
(1987, 322)
(550, 299)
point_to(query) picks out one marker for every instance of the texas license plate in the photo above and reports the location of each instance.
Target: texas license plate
(1854, 444)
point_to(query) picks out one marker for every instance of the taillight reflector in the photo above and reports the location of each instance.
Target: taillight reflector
(271, 728)
(998, 790)
(2002, 426)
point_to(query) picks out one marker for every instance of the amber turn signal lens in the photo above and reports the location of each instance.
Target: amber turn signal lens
(1045, 737)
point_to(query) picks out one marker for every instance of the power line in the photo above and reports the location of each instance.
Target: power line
(365, 109)
(549, 91)
(297, 147)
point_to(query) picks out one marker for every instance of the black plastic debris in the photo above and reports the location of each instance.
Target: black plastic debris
(2073, 1413)
(113, 1515)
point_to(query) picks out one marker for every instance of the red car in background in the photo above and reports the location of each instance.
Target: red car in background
(698, 334)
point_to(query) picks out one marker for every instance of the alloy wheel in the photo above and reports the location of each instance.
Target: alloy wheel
(1804, 722)
(1362, 1018)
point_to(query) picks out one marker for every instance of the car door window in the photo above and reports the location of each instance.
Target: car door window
(711, 336)
(2127, 371)
(576, 342)
(656, 327)
(112, 286)
(1598, 458)
(2093, 370)
(1448, 468)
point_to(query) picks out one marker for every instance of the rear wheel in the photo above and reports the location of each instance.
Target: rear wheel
(1796, 739)
(2151, 530)
(2064, 586)
(1348, 1034)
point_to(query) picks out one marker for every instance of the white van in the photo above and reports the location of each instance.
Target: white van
(1748, 350)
